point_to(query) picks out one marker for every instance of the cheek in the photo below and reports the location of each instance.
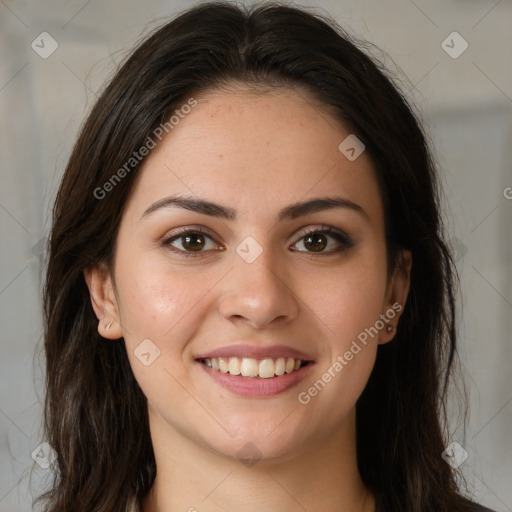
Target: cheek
(346, 309)
(158, 310)
(147, 303)
(159, 302)
(347, 300)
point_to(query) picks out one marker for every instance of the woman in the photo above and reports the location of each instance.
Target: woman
(249, 302)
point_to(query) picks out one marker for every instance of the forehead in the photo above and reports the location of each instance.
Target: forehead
(248, 147)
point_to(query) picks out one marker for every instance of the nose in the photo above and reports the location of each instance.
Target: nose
(259, 294)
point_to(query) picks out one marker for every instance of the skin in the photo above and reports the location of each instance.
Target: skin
(257, 152)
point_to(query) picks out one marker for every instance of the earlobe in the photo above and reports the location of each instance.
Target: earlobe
(396, 298)
(103, 302)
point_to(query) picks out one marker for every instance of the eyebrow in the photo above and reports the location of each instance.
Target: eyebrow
(290, 212)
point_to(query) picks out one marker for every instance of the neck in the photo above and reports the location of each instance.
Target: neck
(193, 478)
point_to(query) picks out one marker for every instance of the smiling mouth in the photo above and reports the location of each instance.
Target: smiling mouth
(254, 368)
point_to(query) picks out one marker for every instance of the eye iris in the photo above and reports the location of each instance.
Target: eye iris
(313, 241)
(193, 241)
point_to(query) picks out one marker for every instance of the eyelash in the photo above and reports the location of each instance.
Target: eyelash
(344, 241)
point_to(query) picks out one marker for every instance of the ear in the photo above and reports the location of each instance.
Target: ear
(396, 295)
(104, 302)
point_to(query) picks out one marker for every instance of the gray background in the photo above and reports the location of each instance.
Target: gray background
(466, 104)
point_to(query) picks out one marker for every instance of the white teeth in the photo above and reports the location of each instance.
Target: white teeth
(223, 365)
(248, 367)
(234, 366)
(267, 368)
(280, 365)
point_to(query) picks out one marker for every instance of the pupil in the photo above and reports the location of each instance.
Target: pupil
(316, 247)
(189, 242)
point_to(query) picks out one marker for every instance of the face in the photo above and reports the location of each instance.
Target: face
(268, 282)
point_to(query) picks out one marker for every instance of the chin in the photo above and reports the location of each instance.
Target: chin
(253, 445)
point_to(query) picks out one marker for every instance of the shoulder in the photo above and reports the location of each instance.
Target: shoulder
(469, 505)
(481, 508)
(476, 507)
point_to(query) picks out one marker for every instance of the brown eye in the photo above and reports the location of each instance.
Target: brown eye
(190, 242)
(194, 242)
(317, 240)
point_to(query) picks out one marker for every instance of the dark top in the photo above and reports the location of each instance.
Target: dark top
(133, 507)
(480, 508)
(477, 507)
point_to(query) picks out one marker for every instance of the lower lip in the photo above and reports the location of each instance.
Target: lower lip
(256, 386)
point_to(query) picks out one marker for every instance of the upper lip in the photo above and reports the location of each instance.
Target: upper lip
(256, 352)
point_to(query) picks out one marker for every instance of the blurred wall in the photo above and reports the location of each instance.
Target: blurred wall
(465, 98)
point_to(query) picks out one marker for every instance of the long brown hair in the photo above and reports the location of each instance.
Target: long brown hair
(95, 413)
